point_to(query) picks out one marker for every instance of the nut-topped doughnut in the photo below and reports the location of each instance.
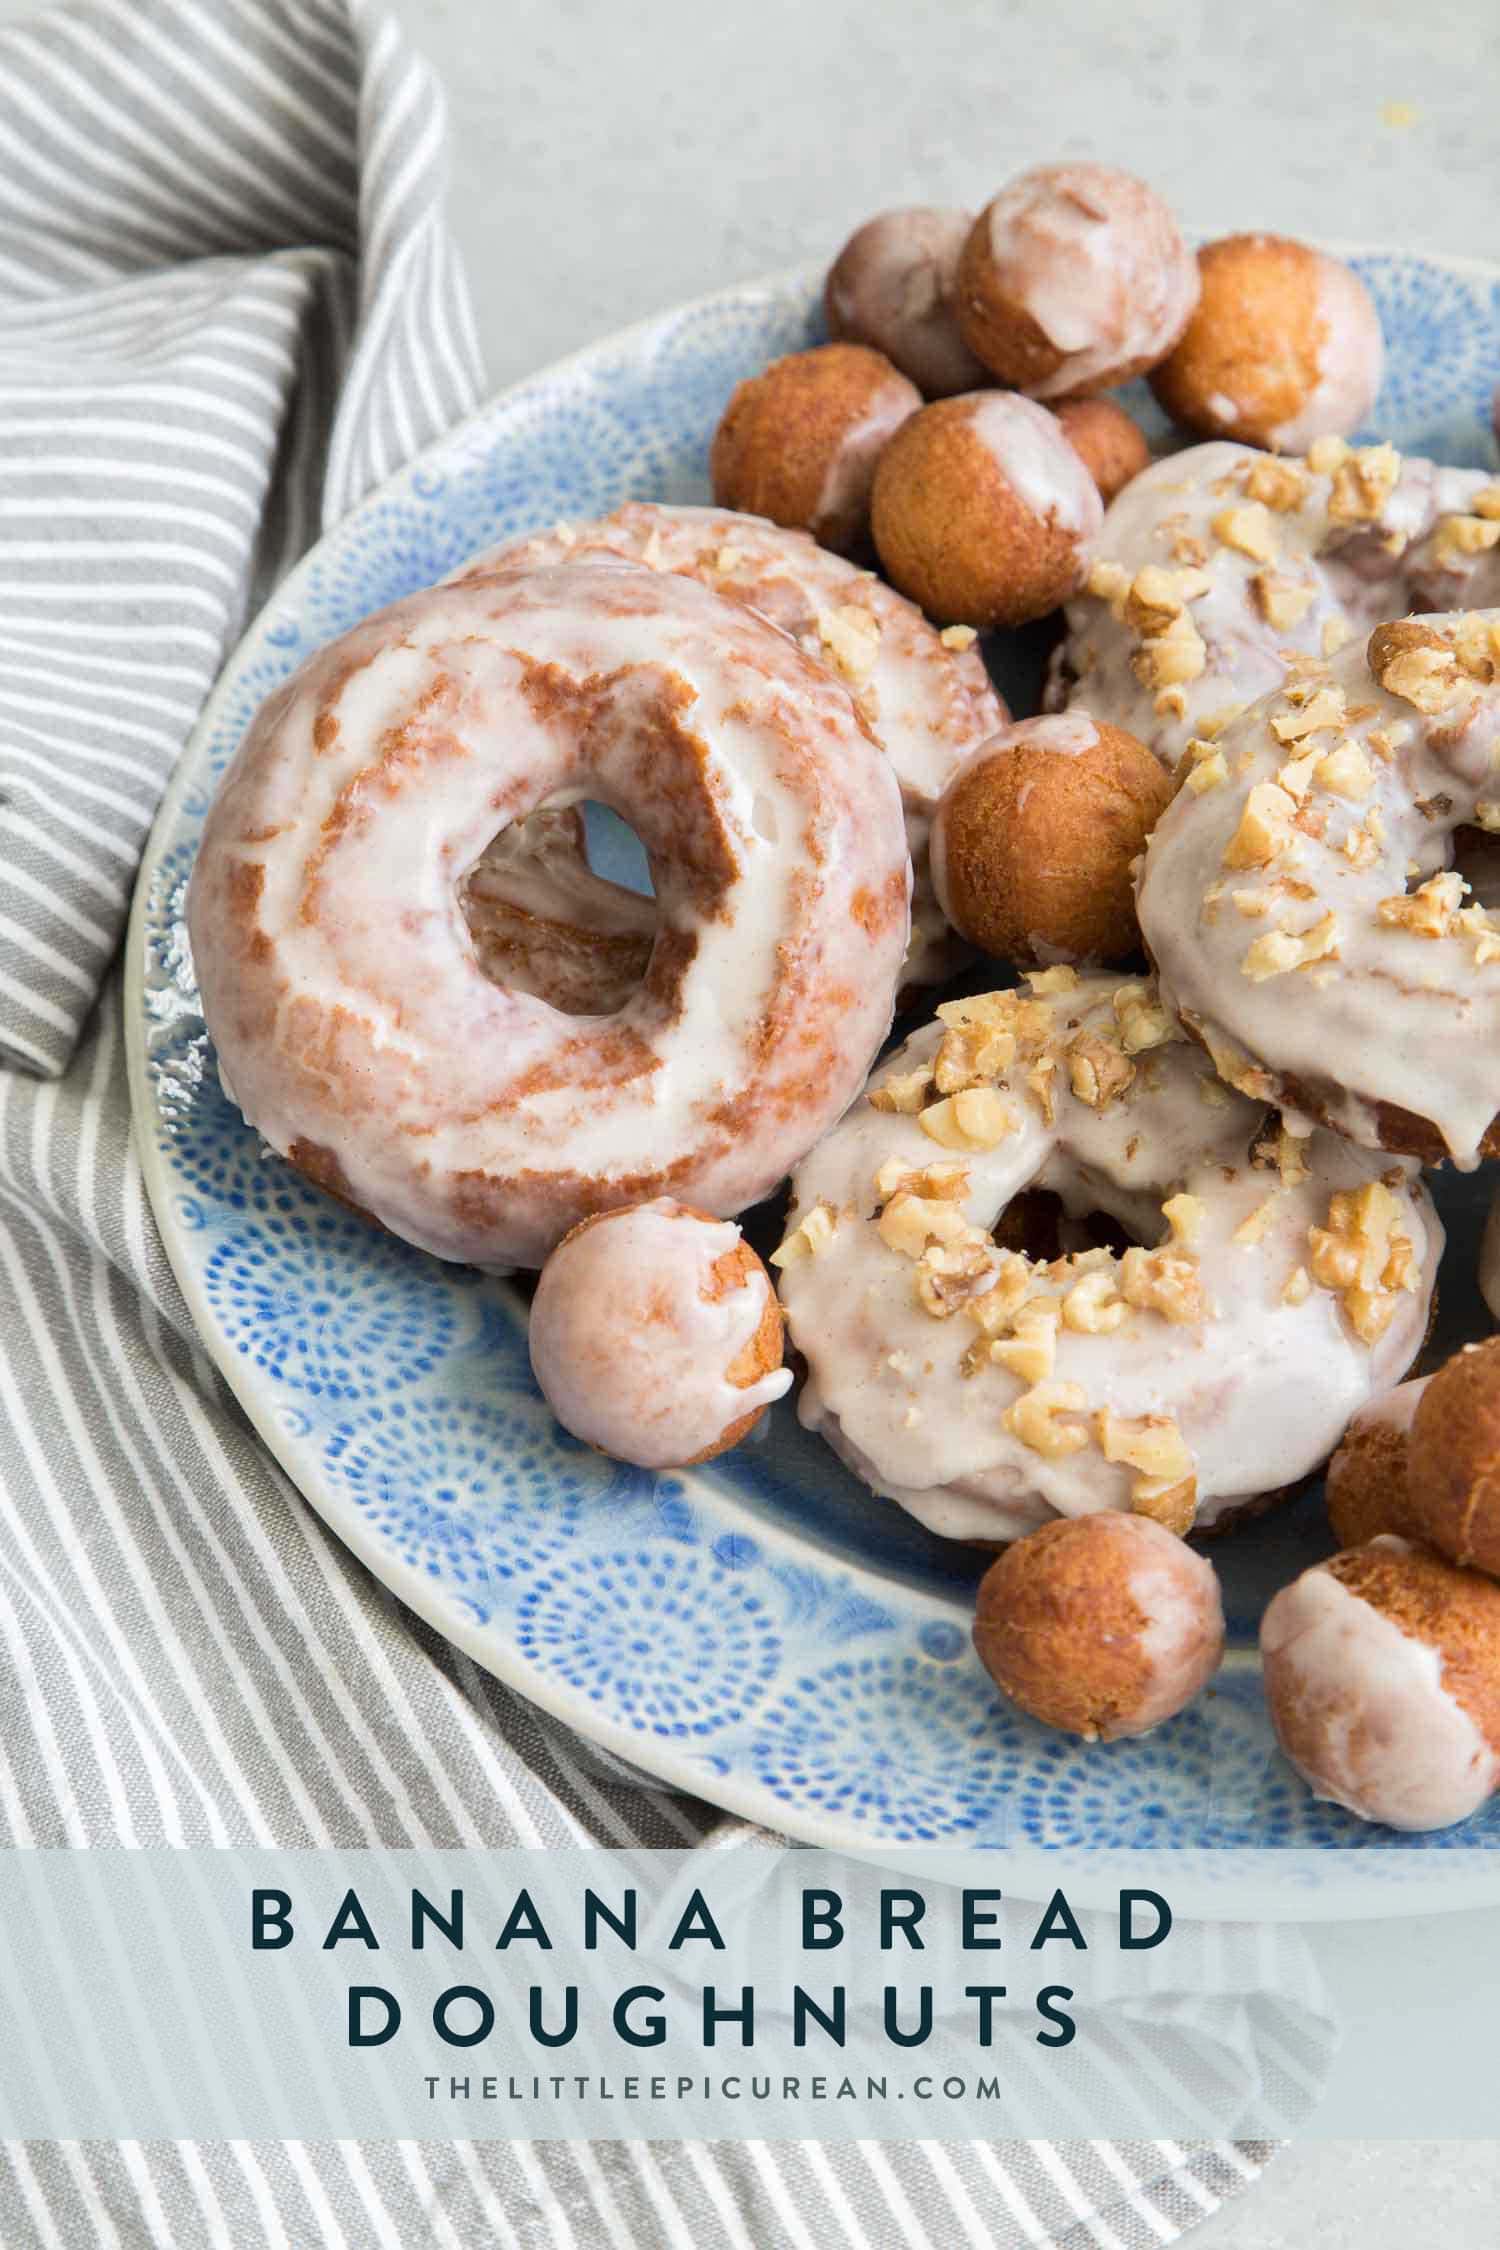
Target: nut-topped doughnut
(1300, 905)
(1073, 279)
(352, 1017)
(1215, 565)
(925, 696)
(1223, 1298)
(656, 1336)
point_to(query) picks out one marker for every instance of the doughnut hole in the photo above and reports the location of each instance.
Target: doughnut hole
(1285, 346)
(1382, 1678)
(1102, 1625)
(892, 287)
(1453, 1468)
(1073, 279)
(982, 511)
(1111, 446)
(1365, 1486)
(656, 1335)
(799, 442)
(1034, 840)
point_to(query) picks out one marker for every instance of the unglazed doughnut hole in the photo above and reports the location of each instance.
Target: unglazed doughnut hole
(892, 287)
(799, 442)
(1103, 1625)
(983, 511)
(1034, 838)
(656, 1335)
(1285, 346)
(1365, 1487)
(1453, 1468)
(1110, 445)
(1074, 279)
(1382, 1675)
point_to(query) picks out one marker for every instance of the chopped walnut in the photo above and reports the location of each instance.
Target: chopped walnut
(1173, 1506)
(728, 558)
(949, 1273)
(975, 1119)
(1094, 1306)
(1252, 1229)
(1282, 601)
(812, 1234)
(1325, 454)
(1143, 1021)
(1279, 951)
(1476, 644)
(1164, 1281)
(1157, 596)
(1029, 1352)
(958, 636)
(1040, 1081)
(1362, 844)
(852, 638)
(1298, 1287)
(1107, 582)
(941, 1180)
(1483, 930)
(1173, 654)
(1205, 773)
(1248, 530)
(1429, 911)
(1037, 1419)
(1346, 770)
(1014, 1279)
(1324, 708)
(1363, 481)
(904, 1094)
(1487, 815)
(1413, 661)
(1099, 1072)
(1153, 1443)
(1265, 827)
(1276, 484)
(973, 1055)
(1184, 1214)
(1365, 1257)
(1459, 538)
(1048, 981)
(910, 1223)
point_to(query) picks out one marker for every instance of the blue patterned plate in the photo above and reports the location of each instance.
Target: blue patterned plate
(760, 1632)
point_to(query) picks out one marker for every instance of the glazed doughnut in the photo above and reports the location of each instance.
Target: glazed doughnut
(1382, 1676)
(892, 286)
(352, 1018)
(1074, 279)
(1284, 347)
(799, 441)
(1110, 445)
(1299, 905)
(1216, 564)
(1453, 1459)
(1103, 1625)
(924, 696)
(1269, 1286)
(656, 1336)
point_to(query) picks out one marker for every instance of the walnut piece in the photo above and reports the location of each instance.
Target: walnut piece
(812, 1234)
(1265, 827)
(978, 1118)
(1278, 951)
(1099, 1072)
(1037, 1419)
(1412, 661)
(1365, 1257)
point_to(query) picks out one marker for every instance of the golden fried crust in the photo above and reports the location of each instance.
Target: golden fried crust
(1366, 1486)
(953, 533)
(1059, 1631)
(1111, 446)
(1453, 1474)
(1036, 847)
(1252, 343)
(996, 329)
(799, 442)
(1454, 1611)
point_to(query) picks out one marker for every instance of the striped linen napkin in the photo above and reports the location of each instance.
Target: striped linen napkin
(227, 307)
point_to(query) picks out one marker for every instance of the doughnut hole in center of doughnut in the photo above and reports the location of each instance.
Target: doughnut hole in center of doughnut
(561, 904)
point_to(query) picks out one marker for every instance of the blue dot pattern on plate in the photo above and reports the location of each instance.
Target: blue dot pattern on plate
(761, 1630)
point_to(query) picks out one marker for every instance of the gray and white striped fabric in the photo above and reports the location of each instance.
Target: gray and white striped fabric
(227, 307)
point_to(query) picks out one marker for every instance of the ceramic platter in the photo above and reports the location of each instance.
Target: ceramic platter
(761, 1632)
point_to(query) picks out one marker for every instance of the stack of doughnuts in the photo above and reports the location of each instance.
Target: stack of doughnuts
(1096, 1262)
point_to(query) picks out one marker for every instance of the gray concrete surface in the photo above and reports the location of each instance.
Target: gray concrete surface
(611, 159)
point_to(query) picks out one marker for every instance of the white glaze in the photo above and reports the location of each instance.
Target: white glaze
(1396, 1411)
(1396, 1017)
(1261, 1390)
(927, 706)
(1396, 1745)
(1359, 574)
(843, 504)
(1177, 1593)
(1036, 460)
(632, 1330)
(892, 286)
(1094, 257)
(339, 979)
(1350, 357)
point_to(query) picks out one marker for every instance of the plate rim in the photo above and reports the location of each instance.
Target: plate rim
(660, 1764)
